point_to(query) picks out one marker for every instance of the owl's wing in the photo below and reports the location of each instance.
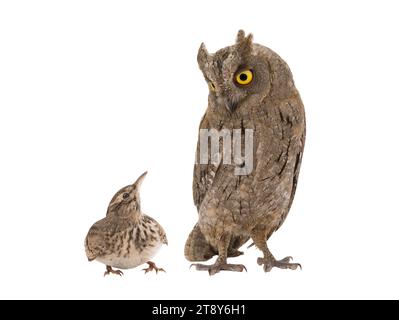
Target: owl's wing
(296, 170)
(297, 153)
(204, 174)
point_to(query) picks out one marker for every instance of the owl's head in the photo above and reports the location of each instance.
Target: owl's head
(244, 74)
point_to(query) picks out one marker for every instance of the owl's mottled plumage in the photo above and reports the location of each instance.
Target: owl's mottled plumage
(234, 208)
(125, 238)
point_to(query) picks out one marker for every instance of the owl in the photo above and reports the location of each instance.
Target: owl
(253, 110)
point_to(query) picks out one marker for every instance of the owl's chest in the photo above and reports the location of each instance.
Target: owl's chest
(256, 171)
(232, 131)
(241, 145)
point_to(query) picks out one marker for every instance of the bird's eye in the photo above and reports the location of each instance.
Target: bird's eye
(211, 86)
(244, 77)
(125, 195)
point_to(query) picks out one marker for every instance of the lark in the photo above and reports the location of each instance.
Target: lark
(125, 238)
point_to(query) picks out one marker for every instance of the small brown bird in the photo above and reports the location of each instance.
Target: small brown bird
(125, 238)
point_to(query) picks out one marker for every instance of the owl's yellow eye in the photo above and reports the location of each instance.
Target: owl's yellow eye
(211, 86)
(244, 77)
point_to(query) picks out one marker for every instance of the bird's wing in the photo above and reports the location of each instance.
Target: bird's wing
(204, 174)
(94, 242)
(298, 143)
(160, 229)
(296, 169)
(203, 179)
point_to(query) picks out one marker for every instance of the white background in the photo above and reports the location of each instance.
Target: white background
(93, 93)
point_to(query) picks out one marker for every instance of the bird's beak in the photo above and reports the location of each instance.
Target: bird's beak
(140, 180)
(230, 105)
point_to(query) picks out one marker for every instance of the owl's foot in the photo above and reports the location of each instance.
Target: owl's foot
(217, 267)
(151, 267)
(110, 270)
(270, 263)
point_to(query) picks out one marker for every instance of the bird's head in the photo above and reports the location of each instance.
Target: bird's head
(242, 74)
(127, 200)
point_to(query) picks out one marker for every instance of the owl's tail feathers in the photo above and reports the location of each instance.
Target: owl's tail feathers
(197, 248)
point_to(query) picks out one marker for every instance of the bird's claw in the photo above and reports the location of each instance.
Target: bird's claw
(152, 266)
(217, 267)
(269, 264)
(110, 270)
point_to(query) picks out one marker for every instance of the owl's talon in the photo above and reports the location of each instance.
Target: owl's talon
(269, 264)
(216, 268)
(287, 259)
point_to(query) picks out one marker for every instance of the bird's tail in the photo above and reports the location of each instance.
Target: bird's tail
(197, 248)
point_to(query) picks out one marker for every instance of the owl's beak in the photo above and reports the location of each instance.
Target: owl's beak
(230, 105)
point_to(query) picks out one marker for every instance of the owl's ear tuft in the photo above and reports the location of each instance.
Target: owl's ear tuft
(202, 56)
(244, 43)
(240, 36)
